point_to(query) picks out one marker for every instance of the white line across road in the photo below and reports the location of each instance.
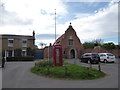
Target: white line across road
(18, 75)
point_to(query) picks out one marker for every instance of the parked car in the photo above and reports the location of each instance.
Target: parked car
(90, 58)
(107, 57)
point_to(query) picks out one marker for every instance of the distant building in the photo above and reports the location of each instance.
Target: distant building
(12, 43)
(71, 45)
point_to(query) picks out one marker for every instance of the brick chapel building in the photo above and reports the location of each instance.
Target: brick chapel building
(71, 44)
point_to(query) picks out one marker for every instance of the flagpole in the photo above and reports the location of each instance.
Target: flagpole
(55, 25)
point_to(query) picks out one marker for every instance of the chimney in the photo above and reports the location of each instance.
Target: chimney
(33, 33)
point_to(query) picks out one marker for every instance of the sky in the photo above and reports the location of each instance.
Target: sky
(91, 19)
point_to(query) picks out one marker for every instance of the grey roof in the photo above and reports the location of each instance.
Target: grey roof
(5, 36)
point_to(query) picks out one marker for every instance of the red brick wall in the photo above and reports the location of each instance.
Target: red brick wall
(115, 51)
(77, 46)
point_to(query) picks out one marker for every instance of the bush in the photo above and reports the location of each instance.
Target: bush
(44, 63)
(26, 58)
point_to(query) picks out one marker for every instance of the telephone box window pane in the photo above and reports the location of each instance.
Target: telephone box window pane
(57, 56)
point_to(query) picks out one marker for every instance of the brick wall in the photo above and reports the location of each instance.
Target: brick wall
(115, 51)
(50, 51)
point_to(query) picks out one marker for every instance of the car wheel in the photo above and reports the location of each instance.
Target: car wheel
(88, 61)
(105, 61)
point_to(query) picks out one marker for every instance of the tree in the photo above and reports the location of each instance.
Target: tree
(109, 46)
(36, 47)
(88, 45)
(98, 42)
(92, 44)
(42, 44)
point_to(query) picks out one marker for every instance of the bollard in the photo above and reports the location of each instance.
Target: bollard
(99, 68)
(88, 71)
(65, 70)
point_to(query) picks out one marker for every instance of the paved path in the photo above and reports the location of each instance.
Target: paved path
(18, 75)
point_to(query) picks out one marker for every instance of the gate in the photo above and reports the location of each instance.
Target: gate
(38, 55)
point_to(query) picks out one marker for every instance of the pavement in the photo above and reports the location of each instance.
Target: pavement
(0, 78)
(18, 75)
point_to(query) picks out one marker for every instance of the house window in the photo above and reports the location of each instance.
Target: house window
(24, 43)
(24, 53)
(70, 41)
(10, 42)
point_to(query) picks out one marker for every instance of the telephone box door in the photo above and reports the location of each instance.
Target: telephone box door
(57, 55)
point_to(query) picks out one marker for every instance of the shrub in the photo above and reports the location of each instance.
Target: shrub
(44, 63)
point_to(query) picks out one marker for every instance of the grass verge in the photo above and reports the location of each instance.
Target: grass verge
(68, 71)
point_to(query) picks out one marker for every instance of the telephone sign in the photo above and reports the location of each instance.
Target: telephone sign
(57, 55)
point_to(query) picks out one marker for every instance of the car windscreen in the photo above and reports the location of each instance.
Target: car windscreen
(95, 54)
(109, 54)
(87, 55)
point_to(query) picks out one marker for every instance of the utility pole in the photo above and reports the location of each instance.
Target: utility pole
(55, 24)
(2, 13)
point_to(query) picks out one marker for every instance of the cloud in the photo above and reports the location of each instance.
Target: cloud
(24, 16)
(28, 9)
(11, 18)
(89, 0)
(103, 24)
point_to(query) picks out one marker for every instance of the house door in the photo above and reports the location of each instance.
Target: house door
(10, 53)
(72, 53)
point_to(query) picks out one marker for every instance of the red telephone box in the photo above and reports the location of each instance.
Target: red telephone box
(57, 55)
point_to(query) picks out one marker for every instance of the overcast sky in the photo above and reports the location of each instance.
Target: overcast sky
(91, 20)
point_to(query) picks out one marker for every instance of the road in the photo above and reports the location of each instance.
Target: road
(18, 75)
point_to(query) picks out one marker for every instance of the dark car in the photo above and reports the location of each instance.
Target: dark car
(90, 58)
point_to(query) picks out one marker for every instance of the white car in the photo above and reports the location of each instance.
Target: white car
(107, 57)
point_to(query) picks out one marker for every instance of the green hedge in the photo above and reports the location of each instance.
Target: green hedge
(26, 58)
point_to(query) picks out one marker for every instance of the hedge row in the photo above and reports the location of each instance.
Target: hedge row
(27, 58)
